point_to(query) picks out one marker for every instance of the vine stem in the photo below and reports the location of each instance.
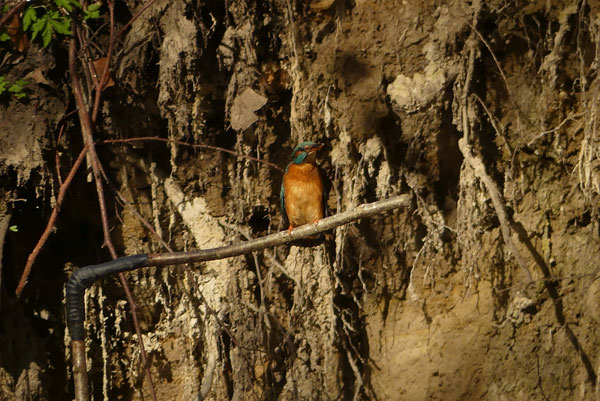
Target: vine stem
(202, 146)
(86, 129)
(59, 200)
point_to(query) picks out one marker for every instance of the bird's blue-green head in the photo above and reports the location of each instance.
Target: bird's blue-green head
(305, 152)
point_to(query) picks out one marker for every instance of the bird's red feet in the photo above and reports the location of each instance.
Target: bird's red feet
(290, 228)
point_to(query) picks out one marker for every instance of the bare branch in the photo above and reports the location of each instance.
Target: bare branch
(283, 237)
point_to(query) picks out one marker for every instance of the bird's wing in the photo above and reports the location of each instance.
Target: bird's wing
(284, 219)
(326, 188)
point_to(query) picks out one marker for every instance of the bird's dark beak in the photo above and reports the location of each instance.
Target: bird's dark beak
(315, 147)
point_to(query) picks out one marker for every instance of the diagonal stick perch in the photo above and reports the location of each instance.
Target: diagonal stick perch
(280, 238)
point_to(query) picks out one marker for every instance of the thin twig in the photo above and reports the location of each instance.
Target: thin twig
(90, 78)
(133, 210)
(489, 48)
(494, 124)
(202, 146)
(104, 76)
(59, 200)
(90, 40)
(86, 129)
(136, 15)
(57, 156)
(559, 126)
(12, 12)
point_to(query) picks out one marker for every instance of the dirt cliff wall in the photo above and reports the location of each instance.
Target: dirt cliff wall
(484, 289)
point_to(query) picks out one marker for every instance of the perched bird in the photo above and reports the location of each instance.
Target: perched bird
(303, 197)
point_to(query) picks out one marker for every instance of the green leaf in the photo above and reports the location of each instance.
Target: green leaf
(67, 4)
(14, 229)
(61, 26)
(38, 26)
(94, 7)
(4, 37)
(2, 84)
(17, 88)
(53, 15)
(47, 35)
(18, 85)
(28, 17)
(92, 12)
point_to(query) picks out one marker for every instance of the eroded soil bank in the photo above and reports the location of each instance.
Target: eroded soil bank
(485, 114)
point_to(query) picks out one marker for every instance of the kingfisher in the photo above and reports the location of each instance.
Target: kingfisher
(303, 197)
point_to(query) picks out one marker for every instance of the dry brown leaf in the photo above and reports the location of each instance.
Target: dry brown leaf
(99, 65)
(37, 76)
(243, 108)
(16, 34)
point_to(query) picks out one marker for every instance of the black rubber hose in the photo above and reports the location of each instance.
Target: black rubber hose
(83, 278)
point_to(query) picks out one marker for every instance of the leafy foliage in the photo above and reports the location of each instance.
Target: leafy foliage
(45, 20)
(50, 21)
(92, 12)
(67, 4)
(55, 18)
(17, 88)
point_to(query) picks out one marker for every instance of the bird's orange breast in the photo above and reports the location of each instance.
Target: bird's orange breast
(303, 194)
